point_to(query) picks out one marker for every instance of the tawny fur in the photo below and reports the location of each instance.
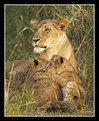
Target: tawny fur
(53, 40)
(64, 76)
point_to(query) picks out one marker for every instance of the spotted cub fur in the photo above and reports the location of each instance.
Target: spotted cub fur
(61, 72)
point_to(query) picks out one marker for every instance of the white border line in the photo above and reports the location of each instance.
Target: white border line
(93, 54)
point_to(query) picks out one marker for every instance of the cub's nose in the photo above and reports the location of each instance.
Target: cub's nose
(35, 39)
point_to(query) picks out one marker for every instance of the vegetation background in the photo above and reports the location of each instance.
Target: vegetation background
(18, 34)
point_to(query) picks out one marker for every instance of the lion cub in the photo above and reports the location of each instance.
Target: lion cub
(56, 83)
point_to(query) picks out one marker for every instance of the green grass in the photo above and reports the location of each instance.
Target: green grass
(18, 45)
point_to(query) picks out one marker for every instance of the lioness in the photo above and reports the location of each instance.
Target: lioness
(50, 39)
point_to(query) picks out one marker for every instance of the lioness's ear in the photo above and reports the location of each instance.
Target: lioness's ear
(62, 24)
(33, 23)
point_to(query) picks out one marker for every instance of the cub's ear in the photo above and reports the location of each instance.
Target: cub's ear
(33, 23)
(61, 59)
(62, 24)
(36, 62)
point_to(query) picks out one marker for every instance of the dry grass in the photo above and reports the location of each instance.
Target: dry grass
(18, 46)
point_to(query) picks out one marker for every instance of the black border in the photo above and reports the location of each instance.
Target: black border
(2, 45)
(49, 2)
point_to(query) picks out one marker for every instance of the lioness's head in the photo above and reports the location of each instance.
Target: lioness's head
(48, 33)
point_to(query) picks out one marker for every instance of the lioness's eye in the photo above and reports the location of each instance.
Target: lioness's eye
(46, 30)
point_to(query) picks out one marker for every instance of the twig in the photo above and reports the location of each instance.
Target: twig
(39, 11)
(59, 16)
(21, 32)
(72, 19)
(17, 37)
(57, 9)
(9, 83)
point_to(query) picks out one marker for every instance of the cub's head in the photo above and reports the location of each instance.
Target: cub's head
(55, 62)
(58, 64)
(48, 33)
(38, 62)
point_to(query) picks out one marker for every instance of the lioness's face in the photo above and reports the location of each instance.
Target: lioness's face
(47, 35)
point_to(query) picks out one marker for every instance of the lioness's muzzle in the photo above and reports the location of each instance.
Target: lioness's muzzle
(35, 40)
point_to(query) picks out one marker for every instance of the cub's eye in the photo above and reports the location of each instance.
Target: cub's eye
(36, 62)
(46, 30)
(50, 64)
(35, 30)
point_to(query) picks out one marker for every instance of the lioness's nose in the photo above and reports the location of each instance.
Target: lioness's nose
(35, 39)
